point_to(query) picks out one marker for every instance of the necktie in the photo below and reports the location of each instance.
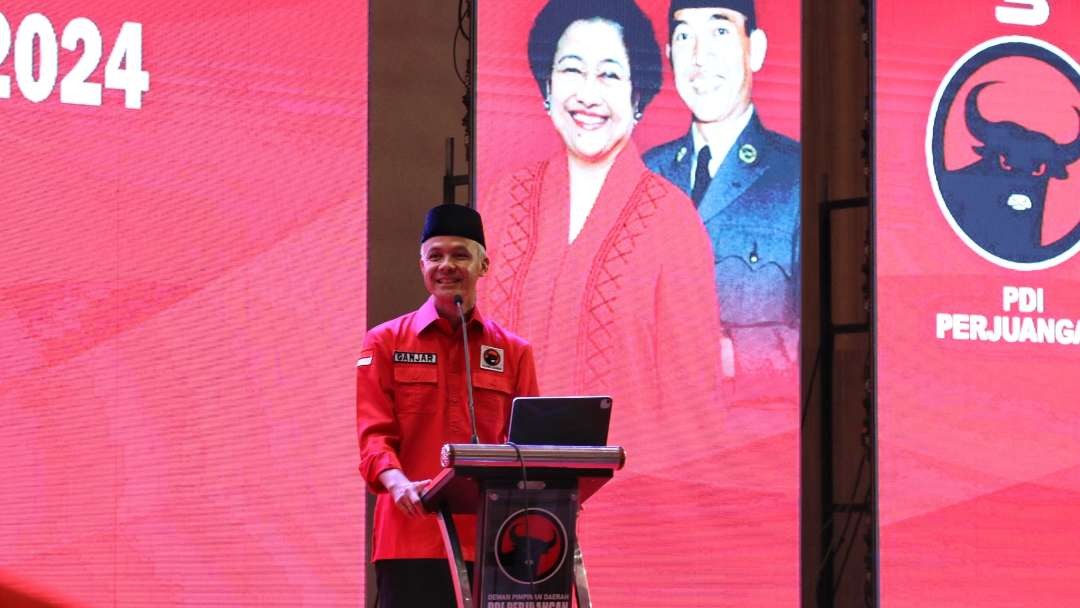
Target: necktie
(701, 176)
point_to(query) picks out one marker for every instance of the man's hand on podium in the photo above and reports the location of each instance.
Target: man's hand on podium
(405, 493)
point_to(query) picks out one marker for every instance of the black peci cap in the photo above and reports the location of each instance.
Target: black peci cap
(449, 219)
(746, 7)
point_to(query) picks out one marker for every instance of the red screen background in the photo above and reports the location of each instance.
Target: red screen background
(182, 296)
(979, 443)
(743, 549)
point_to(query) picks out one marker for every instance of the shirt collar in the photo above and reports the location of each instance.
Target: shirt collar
(619, 185)
(730, 133)
(427, 315)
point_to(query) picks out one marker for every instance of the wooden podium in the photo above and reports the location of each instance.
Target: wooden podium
(526, 500)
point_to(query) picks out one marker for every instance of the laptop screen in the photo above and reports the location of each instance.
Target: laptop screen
(560, 420)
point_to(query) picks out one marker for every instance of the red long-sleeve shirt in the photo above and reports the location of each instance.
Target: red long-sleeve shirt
(411, 399)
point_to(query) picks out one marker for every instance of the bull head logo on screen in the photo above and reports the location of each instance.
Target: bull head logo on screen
(1003, 146)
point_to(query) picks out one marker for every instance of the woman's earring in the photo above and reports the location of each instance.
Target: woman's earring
(637, 116)
(547, 104)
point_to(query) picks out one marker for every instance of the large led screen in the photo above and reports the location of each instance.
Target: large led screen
(639, 179)
(977, 229)
(181, 300)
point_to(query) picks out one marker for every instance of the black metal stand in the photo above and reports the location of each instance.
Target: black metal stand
(450, 181)
(830, 329)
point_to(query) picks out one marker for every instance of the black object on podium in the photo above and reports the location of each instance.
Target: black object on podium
(526, 500)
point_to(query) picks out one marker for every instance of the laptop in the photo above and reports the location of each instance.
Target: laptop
(560, 420)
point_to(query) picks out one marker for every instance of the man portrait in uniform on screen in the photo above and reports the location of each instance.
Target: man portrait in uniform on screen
(411, 398)
(743, 178)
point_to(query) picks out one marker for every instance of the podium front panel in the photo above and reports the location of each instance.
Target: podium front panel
(526, 545)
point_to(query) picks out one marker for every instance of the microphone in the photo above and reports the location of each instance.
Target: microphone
(468, 369)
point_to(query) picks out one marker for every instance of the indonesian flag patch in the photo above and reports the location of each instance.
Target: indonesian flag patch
(365, 358)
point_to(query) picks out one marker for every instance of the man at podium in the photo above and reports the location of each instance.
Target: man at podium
(413, 396)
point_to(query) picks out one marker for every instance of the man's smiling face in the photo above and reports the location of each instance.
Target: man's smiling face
(451, 266)
(710, 54)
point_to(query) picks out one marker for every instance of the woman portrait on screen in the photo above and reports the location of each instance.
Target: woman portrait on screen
(604, 266)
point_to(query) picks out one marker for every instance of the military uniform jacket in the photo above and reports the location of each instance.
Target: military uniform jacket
(751, 212)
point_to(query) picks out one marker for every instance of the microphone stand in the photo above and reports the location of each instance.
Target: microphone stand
(468, 369)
